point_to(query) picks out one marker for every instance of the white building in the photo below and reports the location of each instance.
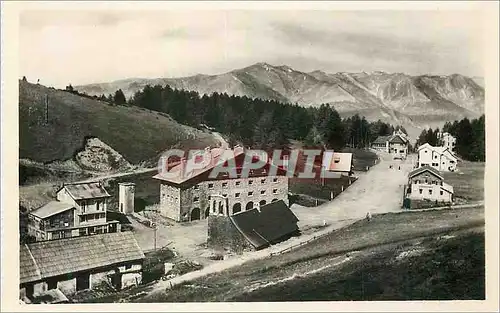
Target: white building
(448, 141)
(395, 144)
(440, 158)
(426, 183)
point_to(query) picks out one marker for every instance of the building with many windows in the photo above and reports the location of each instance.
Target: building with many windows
(196, 195)
(80, 210)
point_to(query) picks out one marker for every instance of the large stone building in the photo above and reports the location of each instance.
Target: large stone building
(196, 195)
(79, 211)
(447, 140)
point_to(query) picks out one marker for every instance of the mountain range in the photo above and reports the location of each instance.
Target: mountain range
(415, 102)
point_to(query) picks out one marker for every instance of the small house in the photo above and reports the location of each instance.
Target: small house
(79, 263)
(337, 162)
(427, 183)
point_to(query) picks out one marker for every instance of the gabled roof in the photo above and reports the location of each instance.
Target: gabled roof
(80, 191)
(274, 221)
(382, 139)
(64, 256)
(216, 156)
(397, 139)
(425, 168)
(337, 161)
(51, 208)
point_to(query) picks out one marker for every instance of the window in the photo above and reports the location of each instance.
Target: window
(224, 185)
(51, 284)
(250, 182)
(275, 180)
(262, 192)
(263, 181)
(128, 266)
(420, 191)
(237, 195)
(196, 199)
(196, 187)
(435, 157)
(275, 191)
(441, 192)
(430, 191)
(250, 193)
(224, 195)
(211, 186)
(237, 183)
(84, 206)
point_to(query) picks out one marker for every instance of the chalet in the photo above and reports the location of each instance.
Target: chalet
(440, 158)
(79, 263)
(80, 210)
(252, 229)
(427, 183)
(395, 144)
(196, 195)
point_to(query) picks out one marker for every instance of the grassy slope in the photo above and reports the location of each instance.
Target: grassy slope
(383, 229)
(137, 134)
(468, 186)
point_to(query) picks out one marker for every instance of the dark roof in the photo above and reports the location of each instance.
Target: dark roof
(381, 139)
(70, 255)
(424, 169)
(90, 190)
(51, 208)
(274, 221)
(397, 139)
(28, 269)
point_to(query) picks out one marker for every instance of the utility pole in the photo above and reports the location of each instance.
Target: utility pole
(155, 226)
(46, 109)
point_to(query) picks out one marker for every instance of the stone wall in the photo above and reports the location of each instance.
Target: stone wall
(223, 235)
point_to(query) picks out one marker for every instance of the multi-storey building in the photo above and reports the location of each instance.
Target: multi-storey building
(426, 183)
(196, 195)
(395, 144)
(80, 210)
(440, 158)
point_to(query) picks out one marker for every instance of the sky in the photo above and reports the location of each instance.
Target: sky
(81, 47)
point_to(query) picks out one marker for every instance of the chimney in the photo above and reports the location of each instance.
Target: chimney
(183, 166)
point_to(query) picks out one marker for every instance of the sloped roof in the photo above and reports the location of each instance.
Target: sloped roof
(447, 187)
(90, 190)
(70, 255)
(28, 271)
(337, 161)
(215, 157)
(51, 208)
(397, 139)
(382, 139)
(425, 168)
(274, 221)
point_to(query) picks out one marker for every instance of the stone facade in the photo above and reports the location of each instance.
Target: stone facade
(223, 235)
(194, 202)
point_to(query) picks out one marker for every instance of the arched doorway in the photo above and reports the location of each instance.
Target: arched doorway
(249, 206)
(274, 200)
(195, 214)
(262, 202)
(236, 208)
(207, 212)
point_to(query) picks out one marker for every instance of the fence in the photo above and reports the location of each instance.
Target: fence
(299, 244)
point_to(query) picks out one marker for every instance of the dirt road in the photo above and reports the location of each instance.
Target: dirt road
(380, 190)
